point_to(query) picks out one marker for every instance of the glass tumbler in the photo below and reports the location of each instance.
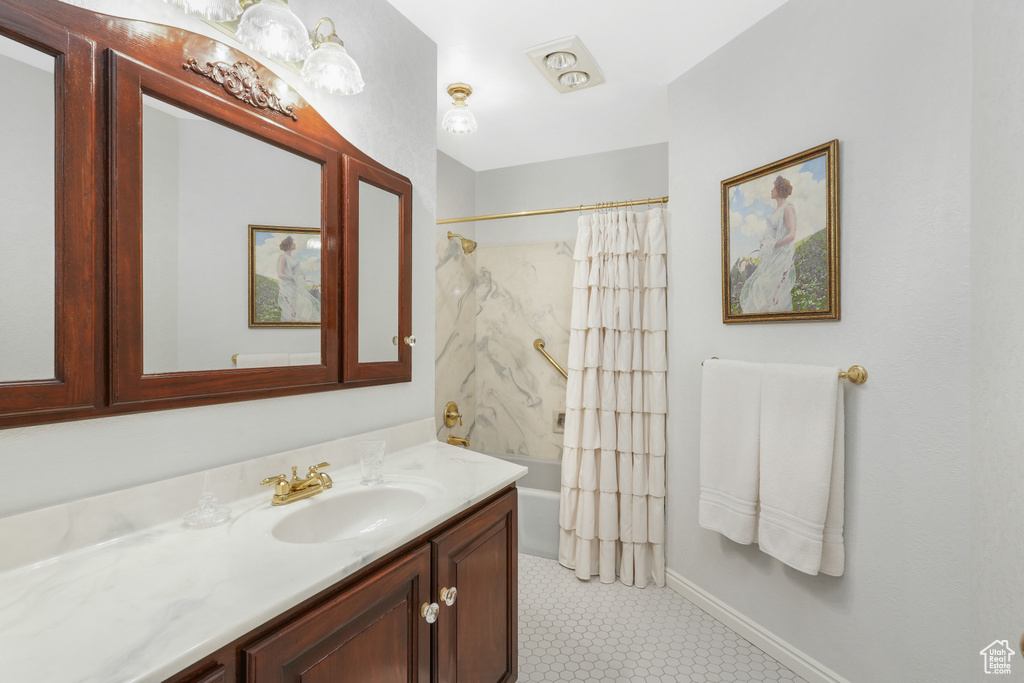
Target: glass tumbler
(371, 461)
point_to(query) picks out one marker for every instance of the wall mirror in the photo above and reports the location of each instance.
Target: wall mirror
(379, 221)
(210, 170)
(48, 222)
(201, 261)
(378, 315)
(27, 225)
(167, 199)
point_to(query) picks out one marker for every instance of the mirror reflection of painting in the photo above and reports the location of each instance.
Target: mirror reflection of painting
(779, 241)
(284, 276)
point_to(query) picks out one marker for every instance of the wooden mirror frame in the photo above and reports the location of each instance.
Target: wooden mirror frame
(104, 66)
(132, 79)
(381, 372)
(77, 379)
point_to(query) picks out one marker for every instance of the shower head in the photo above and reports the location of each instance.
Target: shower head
(467, 245)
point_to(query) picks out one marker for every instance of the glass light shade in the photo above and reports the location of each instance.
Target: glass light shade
(331, 68)
(560, 60)
(574, 79)
(459, 119)
(211, 10)
(272, 28)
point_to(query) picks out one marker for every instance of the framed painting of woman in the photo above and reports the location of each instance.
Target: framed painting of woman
(284, 276)
(780, 240)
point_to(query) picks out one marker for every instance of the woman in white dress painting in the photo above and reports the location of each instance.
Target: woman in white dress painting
(770, 287)
(293, 296)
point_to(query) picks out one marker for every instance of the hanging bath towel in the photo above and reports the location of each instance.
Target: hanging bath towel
(730, 422)
(802, 468)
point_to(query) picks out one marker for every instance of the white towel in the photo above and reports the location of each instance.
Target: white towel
(730, 405)
(802, 463)
(261, 360)
(304, 358)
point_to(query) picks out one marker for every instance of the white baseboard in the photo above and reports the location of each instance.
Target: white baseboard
(798, 662)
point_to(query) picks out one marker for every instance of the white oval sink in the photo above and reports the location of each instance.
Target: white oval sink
(355, 512)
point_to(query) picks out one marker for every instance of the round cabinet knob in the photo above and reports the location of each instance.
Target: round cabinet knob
(448, 596)
(430, 612)
(410, 340)
(394, 340)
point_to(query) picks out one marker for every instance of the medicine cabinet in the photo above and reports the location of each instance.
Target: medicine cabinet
(183, 228)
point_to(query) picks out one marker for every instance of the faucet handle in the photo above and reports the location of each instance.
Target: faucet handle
(271, 481)
(451, 414)
(325, 479)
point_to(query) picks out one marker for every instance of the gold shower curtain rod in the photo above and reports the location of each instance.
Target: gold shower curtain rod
(543, 212)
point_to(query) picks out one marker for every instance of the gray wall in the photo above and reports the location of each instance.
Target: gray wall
(892, 81)
(997, 321)
(394, 122)
(625, 174)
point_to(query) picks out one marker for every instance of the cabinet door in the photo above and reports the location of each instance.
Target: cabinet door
(477, 637)
(371, 632)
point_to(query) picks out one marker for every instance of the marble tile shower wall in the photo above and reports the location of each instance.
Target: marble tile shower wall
(522, 292)
(455, 334)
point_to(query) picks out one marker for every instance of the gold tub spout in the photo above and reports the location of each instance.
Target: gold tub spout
(458, 441)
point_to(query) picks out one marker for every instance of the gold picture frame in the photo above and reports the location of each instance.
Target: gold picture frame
(780, 240)
(297, 302)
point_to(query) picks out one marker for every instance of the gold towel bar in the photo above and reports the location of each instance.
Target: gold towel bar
(857, 374)
(539, 345)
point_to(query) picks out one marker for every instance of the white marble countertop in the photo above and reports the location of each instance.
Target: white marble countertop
(146, 604)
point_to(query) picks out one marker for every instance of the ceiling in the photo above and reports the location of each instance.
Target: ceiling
(641, 47)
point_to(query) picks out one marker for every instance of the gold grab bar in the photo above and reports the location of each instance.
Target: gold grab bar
(857, 374)
(539, 345)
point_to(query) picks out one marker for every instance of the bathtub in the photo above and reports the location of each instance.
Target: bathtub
(538, 505)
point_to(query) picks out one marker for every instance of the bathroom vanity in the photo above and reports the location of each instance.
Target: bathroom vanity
(390, 622)
(308, 591)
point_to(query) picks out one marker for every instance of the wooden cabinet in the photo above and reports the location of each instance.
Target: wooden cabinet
(370, 628)
(119, 344)
(371, 632)
(477, 635)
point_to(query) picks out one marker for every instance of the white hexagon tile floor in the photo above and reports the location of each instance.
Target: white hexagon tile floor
(572, 630)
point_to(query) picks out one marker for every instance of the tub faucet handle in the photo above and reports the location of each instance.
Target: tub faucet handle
(452, 414)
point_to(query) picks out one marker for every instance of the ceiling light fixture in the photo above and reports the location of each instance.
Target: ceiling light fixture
(560, 60)
(459, 118)
(566, 64)
(330, 67)
(211, 10)
(270, 27)
(574, 79)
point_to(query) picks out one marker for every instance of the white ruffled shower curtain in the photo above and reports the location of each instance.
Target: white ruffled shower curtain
(612, 505)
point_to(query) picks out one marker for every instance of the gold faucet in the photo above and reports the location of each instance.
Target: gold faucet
(286, 491)
(458, 441)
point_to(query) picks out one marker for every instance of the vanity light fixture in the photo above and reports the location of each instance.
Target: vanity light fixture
(211, 10)
(560, 60)
(459, 118)
(330, 67)
(270, 27)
